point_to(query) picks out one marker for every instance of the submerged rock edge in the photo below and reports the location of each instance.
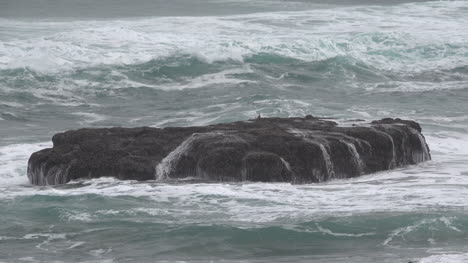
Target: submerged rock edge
(296, 150)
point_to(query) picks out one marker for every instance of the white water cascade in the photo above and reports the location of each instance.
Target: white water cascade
(392, 163)
(356, 157)
(164, 168)
(330, 169)
(424, 155)
(328, 162)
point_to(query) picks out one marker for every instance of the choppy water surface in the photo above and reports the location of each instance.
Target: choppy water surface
(187, 63)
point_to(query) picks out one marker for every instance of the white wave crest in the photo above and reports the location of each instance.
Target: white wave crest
(398, 38)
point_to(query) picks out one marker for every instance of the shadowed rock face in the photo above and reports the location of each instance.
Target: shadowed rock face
(297, 150)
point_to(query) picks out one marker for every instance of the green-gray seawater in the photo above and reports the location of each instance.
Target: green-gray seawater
(73, 64)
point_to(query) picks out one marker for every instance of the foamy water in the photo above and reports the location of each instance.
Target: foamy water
(399, 39)
(225, 61)
(437, 188)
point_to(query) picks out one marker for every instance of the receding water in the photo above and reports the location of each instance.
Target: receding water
(73, 64)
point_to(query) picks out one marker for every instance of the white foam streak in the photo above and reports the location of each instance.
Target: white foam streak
(402, 231)
(89, 117)
(207, 80)
(415, 86)
(446, 258)
(329, 232)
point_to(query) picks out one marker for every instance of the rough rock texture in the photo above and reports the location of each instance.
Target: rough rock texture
(297, 150)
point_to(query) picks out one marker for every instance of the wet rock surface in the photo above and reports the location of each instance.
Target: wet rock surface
(296, 150)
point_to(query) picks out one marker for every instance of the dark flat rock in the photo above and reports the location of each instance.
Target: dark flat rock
(297, 150)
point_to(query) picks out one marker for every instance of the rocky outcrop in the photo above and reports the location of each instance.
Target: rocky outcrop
(297, 150)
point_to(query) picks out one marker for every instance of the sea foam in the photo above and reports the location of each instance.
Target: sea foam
(310, 35)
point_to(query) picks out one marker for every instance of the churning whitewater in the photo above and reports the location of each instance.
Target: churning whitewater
(81, 64)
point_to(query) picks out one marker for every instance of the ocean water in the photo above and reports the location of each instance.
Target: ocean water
(72, 64)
